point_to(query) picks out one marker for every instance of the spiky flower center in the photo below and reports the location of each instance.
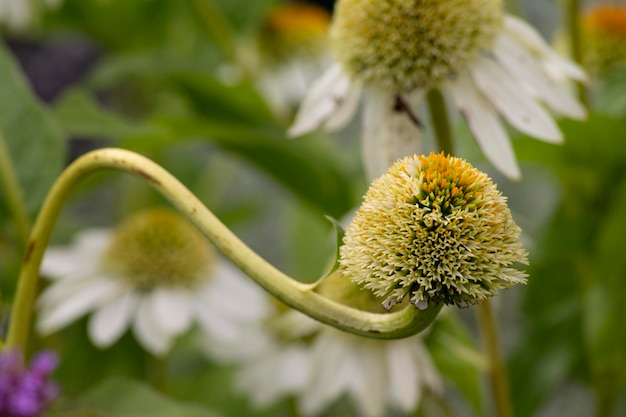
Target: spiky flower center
(436, 229)
(157, 247)
(294, 29)
(406, 44)
(604, 37)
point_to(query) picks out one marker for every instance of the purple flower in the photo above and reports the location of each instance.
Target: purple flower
(24, 391)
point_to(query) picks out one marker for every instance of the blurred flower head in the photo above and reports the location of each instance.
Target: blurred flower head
(154, 271)
(18, 14)
(24, 391)
(319, 365)
(435, 229)
(604, 37)
(291, 50)
(393, 52)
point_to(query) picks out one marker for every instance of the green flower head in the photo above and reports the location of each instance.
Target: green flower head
(435, 229)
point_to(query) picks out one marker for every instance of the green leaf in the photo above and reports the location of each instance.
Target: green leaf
(118, 397)
(339, 234)
(302, 165)
(35, 142)
(80, 115)
(457, 358)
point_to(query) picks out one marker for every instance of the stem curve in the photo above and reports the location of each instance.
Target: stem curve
(299, 296)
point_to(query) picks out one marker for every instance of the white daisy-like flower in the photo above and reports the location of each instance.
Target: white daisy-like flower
(290, 52)
(154, 272)
(318, 365)
(390, 53)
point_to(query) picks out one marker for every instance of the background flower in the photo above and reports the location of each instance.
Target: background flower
(393, 53)
(156, 272)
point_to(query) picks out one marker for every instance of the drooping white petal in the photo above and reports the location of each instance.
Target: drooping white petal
(111, 320)
(428, 374)
(91, 294)
(283, 371)
(517, 107)
(388, 133)
(530, 37)
(64, 261)
(346, 111)
(214, 322)
(148, 331)
(325, 96)
(62, 289)
(369, 385)
(331, 372)
(524, 66)
(404, 388)
(235, 294)
(171, 309)
(485, 126)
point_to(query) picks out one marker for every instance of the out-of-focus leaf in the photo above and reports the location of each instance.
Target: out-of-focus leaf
(302, 165)
(35, 141)
(457, 358)
(118, 397)
(80, 115)
(573, 307)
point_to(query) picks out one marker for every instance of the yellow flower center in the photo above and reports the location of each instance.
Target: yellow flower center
(407, 44)
(604, 37)
(294, 29)
(435, 228)
(158, 247)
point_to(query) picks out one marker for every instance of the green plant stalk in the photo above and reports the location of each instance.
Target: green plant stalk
(217, 27)
(297, 295)
(497, 370)
(440, 121)
(572, 14)
(14, 196)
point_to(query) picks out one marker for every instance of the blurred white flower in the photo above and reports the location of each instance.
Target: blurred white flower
(154, 272)
(286, 354)
(290, 52)
(18, 14)
(391, 53)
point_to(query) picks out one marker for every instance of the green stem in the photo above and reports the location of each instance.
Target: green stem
(159, 373)
(497, 369)
(572, 14)
(293, 293)
(216, 26)
(13, 195)
(440, 120)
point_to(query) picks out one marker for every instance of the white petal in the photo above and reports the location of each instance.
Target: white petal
(109, 322)
(331, 373)
(529, 36)
(484, 124)
(404, 388)
(236, 294)
(148, 331)
(427, 371)
(85, 251)
(369, 389)
(524, 66)
(98, 292)
(216, 323)
(521, 110)
(326, 95)
(345, 113)
(288, 370)
(388, 134)
(172, 310)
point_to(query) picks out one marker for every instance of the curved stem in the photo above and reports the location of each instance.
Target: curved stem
(497, 369)
(295, 294)
(13, 195)
(440, 120)
(572, 14)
